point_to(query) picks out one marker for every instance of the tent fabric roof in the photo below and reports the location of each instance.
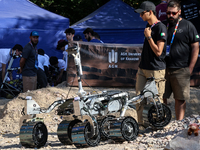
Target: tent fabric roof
(114, 15)
(18, 18)
(14, 13)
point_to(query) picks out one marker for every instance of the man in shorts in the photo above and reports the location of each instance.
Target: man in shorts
(152, 62)
(29, 63)
(182, 53)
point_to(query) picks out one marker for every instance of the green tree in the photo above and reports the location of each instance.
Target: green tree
(75, 10)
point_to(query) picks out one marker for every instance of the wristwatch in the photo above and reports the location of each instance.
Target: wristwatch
(149, 37)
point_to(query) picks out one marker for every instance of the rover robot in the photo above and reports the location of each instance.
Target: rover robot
(92, 115)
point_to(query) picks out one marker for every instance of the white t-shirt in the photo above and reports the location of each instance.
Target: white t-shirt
(42, 61)
(4, 56)
(47, 60)
(61, 64)
(65, 58)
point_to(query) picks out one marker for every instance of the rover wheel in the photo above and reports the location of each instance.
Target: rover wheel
(33, 134)
(129, 129)
(105, 126)
(64, 131)
(164, 118)
(81, 136)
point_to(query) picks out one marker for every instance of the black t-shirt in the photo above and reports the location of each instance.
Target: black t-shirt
(180, 50)
(29, 53)
(190, 11)
(149, 60)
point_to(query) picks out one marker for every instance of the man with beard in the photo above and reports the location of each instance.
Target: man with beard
(182, 53)
(89, 36)
(152, 62)
(29, 63)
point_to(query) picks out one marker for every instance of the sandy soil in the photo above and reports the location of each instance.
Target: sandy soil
(10, 113)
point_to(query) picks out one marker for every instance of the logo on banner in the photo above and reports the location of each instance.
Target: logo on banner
(113, 59)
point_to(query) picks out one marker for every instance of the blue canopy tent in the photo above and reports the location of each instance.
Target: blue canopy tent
(18, 18)
(115, 22)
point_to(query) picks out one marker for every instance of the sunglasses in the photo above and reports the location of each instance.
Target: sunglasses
(173, 13)
(142, 13)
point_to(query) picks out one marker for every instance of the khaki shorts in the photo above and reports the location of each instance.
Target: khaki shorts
(178, 82)
(29, 83)
(142, 75)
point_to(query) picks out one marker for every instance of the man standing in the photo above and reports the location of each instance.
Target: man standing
(182, 54)
(89, 36)
(152, 62)
(29, 63)
(70, 35)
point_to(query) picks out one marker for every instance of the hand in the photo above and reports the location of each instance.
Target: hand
(147, 32)
(20, 71)
(191, 70)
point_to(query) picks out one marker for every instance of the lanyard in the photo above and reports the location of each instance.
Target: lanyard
(34, 47)
(174, 30)
(36, 55)
(154, 24)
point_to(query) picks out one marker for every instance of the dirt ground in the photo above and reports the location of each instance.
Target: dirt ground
(10, 114)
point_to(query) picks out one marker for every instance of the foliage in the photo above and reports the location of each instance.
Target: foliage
(72, 9)
(75, 10)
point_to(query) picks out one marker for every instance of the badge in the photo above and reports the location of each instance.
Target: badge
(167, 50)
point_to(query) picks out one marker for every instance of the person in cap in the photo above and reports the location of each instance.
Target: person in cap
(152, 62)
(161, 10)
(89, 35)
(182, 54)
(29, 63)
(5, 56)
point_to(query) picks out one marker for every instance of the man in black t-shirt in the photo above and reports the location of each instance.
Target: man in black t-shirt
(182, 53)
(29, 63)
(152, 62)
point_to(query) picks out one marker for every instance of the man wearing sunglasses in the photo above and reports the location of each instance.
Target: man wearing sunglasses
(152, 62)
(182, 53)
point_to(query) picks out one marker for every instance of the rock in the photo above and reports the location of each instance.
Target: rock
(184, 142)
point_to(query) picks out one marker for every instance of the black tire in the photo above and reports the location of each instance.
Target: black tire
(33, 134)
(80, 136)
(64, 131)
(105, 127)
(162, 121)
(129, 129)
(40, 134)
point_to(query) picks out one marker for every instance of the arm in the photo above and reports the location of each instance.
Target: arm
(22, 63)
(194, 55)
(156, 47)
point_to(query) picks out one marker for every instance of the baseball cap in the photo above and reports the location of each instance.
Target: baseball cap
(146, 5)
(34, 33)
